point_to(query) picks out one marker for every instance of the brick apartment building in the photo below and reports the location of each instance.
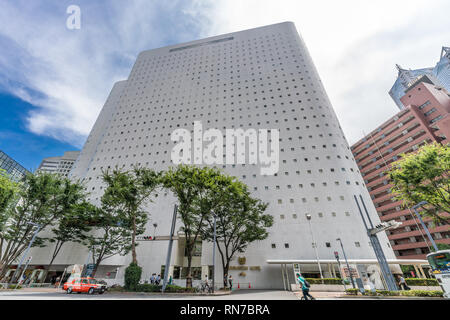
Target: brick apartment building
(425, 119)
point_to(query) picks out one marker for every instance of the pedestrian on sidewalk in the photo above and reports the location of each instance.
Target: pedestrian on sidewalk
(158, 279)
(230, 281)
(152, 279)
(225, 281)
(305, 287)
(403, 284)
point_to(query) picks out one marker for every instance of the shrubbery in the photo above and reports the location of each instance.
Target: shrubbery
(422, 293)
(132, 276)
(409, 293)
(421, 282)
(324, 281)
(352, 291)
(148, 288)
(14, 286)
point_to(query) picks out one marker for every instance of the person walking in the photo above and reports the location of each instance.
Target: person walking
(230, 281)
(305, 287)
(152, 279)
(158, 279)
(225, 281)
(206, 286)
(403, 284)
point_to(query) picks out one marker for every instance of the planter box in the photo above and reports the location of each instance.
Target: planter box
(320, 287)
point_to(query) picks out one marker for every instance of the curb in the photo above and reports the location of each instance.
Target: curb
(390, 297)
(170, 293)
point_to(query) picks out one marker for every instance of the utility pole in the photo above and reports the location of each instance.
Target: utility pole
(28, 249)
(381, 258)
(214, 254)
(346, 261)
(308, 217)
(423, 224)
(169, 250)
(336, 255)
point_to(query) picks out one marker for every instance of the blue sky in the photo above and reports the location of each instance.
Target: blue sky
(54, 81)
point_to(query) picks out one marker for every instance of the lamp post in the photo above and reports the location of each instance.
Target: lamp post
(28, 249)
(155, 225)
(214, 254)
(346, 261)
(308, 217)
(423, 224)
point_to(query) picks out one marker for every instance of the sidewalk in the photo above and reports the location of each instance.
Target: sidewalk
(322, 295)
(342, 295)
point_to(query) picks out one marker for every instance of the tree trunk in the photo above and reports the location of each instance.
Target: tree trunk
(133, 243)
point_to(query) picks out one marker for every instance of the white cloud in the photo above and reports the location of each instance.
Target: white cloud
(354, 44)
(67, 74)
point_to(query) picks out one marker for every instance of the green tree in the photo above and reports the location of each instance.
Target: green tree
(240, 220)
(127, 192)
(110, 236)
(443, 246)
(74, 224)
(8, 192)
(191, 185)
(424, 176)
(44, 198)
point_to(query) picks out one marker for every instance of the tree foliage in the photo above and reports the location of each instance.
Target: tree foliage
(240, 219)
(191, 185)
(74, 224)
(127, 192)
(132, 276)
(44, 198)
(424, 176)
(111, 234)
(8, 192)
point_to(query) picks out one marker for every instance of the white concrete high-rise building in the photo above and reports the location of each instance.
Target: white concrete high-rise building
(262, 78)
(61, 165)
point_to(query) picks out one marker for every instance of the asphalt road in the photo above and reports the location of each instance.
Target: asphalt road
(61, 295)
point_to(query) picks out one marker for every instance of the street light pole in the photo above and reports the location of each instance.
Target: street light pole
(346, 261)
(308, 217)
(169, 250)
(28, 249)
(423, 224)
(214, 254)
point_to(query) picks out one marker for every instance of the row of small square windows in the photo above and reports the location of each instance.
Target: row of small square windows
(316, 199)
(320, 215)
(327, 244)
(218, 108)
(226, 47)
(211, 62)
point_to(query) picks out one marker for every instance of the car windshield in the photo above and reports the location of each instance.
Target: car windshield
(93, 281)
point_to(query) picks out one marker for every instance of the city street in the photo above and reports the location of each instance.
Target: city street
(52, 294)
(255, 295)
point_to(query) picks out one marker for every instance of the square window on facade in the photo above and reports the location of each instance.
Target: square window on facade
(273, 246)
(286, 245)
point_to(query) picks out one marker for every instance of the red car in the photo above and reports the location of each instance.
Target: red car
(87, 285)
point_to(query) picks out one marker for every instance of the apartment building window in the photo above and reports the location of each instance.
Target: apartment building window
(429, 112)
(424, 105)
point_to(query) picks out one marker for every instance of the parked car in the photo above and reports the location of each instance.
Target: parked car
(86, 285)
